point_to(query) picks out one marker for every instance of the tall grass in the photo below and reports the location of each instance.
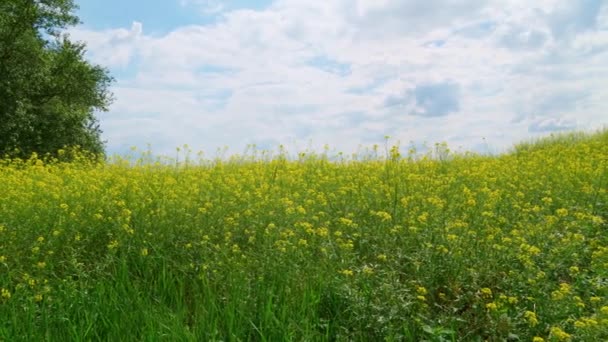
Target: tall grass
(269, 249)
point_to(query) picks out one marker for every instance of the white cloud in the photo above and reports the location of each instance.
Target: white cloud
(112, 48)
(428, 100)
(572, 17)
(325, 71)
(552, 125)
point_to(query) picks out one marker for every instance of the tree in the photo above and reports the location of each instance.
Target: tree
(48, 91)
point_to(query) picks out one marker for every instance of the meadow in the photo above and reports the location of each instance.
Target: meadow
(383, 247)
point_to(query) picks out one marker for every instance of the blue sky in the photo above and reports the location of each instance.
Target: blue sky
(478, 74)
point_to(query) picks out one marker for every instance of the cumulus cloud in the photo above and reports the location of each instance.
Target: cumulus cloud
(348, 72)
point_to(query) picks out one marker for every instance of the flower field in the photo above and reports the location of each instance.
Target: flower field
(442, 247)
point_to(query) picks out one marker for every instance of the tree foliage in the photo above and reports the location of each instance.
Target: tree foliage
(49, 92)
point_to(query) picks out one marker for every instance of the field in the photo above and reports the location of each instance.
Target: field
(437, 247)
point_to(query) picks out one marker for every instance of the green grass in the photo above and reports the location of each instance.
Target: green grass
(443, 248)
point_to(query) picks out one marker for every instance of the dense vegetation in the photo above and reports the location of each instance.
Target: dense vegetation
(48, 91)
(266, 248)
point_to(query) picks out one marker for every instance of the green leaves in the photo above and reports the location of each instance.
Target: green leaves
(48, 91)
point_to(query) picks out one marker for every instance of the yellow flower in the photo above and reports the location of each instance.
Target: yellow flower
(531, 317)
(345, 221)
(559, 334)
(590, 321)
(235, 248)
(381, 257)
(144, 251)
(6, 294)
(423, 217)
(421, 290)
(564, 289)
(383, 215)
(533, 250)
(113, 244)
(486, 292)
(322, 231)
(347, 272)
(41, 264)
(492, 306)
(538, 339)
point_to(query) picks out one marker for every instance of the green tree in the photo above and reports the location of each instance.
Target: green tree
(49, 93)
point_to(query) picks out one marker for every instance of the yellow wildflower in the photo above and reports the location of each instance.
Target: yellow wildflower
(492, 306)
(113, 244)
(486, 292)
(559, 334)
(6, 294)
(421, 290)
(531, 317)
(347, 272)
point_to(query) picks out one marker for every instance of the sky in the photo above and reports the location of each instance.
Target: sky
(480, 75)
